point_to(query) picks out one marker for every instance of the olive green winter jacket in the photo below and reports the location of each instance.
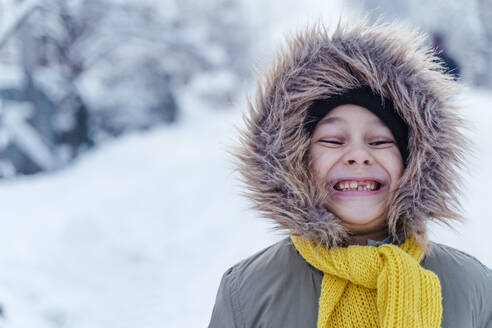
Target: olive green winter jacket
(277, 288)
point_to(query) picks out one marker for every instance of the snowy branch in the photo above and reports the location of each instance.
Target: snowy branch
(26, 9)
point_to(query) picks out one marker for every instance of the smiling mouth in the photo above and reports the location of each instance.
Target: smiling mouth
(351, 185)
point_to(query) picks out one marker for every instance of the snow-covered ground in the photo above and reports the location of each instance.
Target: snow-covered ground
(139, 232)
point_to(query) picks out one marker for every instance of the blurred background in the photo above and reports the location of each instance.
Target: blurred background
(119, 204)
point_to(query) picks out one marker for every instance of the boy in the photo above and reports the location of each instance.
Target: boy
(353, 145)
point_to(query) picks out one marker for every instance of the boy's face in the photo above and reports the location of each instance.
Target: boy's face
(355, 154)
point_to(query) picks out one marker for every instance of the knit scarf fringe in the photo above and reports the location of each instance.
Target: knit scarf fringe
(367, 286)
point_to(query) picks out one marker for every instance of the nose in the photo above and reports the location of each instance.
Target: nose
(357, 155)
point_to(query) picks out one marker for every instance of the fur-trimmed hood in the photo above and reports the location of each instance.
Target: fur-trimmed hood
(273, 155)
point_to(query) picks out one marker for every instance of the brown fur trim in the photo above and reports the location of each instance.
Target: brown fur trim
(273, 155)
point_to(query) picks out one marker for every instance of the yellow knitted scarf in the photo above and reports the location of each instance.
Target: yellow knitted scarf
(367, 286)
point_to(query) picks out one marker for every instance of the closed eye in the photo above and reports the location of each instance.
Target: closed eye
(381, 142)
(335, 142)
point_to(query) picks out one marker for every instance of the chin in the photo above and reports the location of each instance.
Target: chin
(368, 221)
(360, 221)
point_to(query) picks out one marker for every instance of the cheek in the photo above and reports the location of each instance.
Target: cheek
(319, 162)
(393, 164)
(397, 166)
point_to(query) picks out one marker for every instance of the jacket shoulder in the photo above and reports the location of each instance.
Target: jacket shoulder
(270, 270)
(456, 263)
(251, 292)
(466, 284)
(269, 261)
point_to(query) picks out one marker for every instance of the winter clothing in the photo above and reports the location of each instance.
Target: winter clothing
(383, 108)
(277, 287)
(273, 156)
(451, 65)
(367, 286)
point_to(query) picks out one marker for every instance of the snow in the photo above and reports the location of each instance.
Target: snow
(139, 231)
(126, 234)
(276, 20)
(12, 22)
(472, 237)
(14, 124)
(11, 77)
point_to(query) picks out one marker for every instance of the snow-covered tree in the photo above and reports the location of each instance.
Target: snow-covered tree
(127, 64)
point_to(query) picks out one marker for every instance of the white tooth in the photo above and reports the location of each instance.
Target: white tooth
(346, 185)
(353, 185)
(360, 188)
(365, 188)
